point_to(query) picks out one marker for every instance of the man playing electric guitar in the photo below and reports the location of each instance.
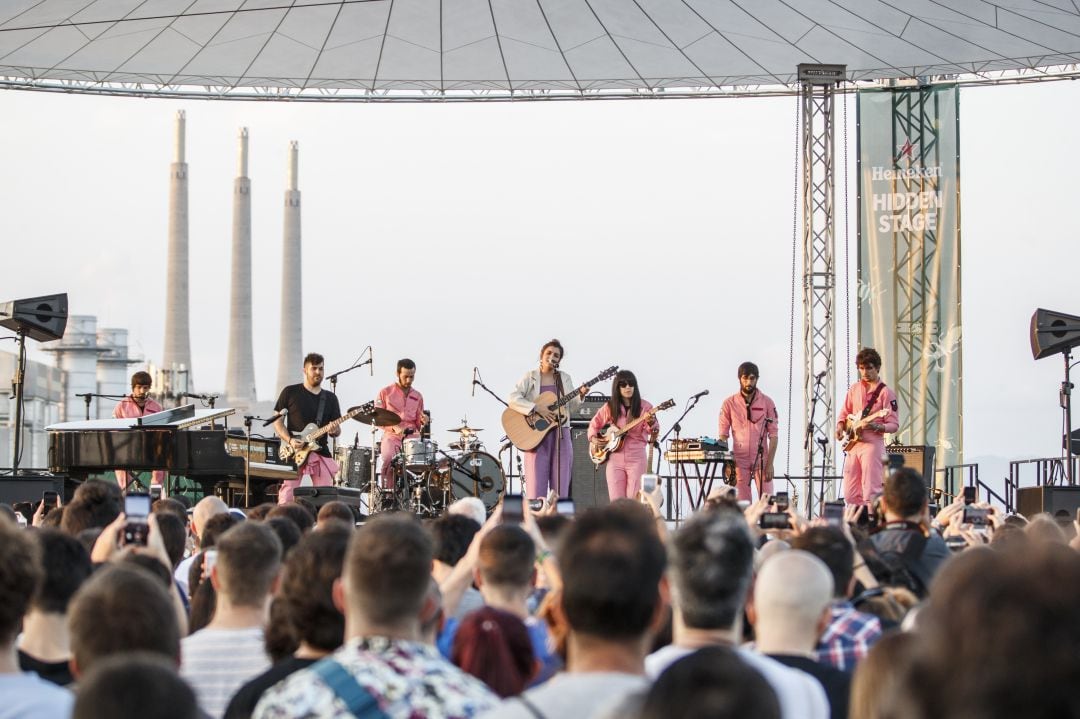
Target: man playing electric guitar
(307, 403)
(864, 468)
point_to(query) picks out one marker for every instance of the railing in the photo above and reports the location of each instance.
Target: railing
(1048, 471)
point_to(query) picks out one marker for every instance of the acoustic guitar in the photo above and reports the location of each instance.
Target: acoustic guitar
(527, 431)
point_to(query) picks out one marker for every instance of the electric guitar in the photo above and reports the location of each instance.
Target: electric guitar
(854, 426)
(613, 436)
(527, 431)
(310, 434)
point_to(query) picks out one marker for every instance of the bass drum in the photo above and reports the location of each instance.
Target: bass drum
(474, 474)
(354, 466)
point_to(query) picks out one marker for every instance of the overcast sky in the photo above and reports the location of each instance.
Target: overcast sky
(656, 235)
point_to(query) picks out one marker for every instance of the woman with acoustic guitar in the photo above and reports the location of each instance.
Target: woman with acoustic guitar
(626, 463)
(548, 464)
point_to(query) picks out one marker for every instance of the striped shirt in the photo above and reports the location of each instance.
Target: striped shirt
(217, 662)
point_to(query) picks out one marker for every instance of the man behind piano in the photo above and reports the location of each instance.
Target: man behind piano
(137, 404)
(308, 403)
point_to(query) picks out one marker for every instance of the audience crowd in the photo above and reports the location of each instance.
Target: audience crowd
(894, 610)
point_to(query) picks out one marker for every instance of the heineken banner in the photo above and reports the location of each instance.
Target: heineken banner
(909, 257)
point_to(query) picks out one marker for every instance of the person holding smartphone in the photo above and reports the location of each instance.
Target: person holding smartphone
(749, 417)
(626, 464)
(137, 404)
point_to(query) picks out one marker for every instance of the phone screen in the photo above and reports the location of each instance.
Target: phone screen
(50, 499)
(565, 506)
(781, 499)
(648, 483)
(137, 505)
(969, 495)
(512, 511)
(834, 513)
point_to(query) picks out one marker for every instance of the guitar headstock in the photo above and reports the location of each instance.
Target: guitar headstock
(666, 404)
(606, 374)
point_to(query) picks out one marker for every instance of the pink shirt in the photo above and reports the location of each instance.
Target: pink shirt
(638, 436)
(856, 401)
(127, 409)
(410, 408)
(746, 431)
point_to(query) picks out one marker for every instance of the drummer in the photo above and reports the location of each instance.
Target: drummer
(404, 401)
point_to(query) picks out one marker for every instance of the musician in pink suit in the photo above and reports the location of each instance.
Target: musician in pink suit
(864, 467)
(137, 404)
(404, 401)
(306, 404)
(548, 464)
(627, 463)
(750, 418)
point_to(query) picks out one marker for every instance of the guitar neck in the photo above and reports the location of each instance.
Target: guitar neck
(570, 395)
(334, 423)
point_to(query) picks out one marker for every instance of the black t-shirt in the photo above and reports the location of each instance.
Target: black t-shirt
(56, 672)
(242, 705)
(836, 683)
(303, 407)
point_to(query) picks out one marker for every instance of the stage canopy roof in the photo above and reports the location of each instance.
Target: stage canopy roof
(371, 50)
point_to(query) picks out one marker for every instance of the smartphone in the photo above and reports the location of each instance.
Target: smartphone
(136, 510)
(512, 511)
(50, 499)
(209, 560)
(536, 504)
(781, 501)
(976, 517)
(648, 483)
(565, 506)
(969, 495)
(834, 514)
(774, 520)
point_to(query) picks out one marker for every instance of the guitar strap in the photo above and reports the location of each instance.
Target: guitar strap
(871, 399)
(322, 408)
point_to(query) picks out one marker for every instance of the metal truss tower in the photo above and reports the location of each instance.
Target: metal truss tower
(917, 307)
(817, 84)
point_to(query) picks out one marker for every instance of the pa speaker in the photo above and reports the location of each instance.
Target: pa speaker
(322, 495)
(1053, 332)
(1033, 500)
(588, 483)
(39, 318)
(917, 457)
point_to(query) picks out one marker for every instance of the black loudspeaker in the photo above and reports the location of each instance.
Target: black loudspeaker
(321, 495)
(589, 407)
(1053, 332)
(588, 483)
(1033, 500)
(918, 457)
(30, 488)
(40, 318)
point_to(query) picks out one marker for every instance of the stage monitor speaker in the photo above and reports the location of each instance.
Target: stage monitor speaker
(1033, 500)
(588, 483)
(30, 488)
(917, 457)
(39, 318)
(322, 495)
(1053, 332)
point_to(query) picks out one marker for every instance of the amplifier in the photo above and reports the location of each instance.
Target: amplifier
(1053, 500)
(321, 495)
(588, 483)
(588, 409)
(918, 457)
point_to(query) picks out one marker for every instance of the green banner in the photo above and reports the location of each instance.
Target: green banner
(909, 257)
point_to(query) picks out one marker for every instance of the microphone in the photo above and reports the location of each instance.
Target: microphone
(275, 418)
(820, 374)
(700, 394)
(371, 361)
(473, 381)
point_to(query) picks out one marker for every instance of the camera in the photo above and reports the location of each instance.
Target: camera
(781, 501)
(774, 520)
(969, 495)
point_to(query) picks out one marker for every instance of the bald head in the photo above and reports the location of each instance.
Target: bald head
(792, 594)
(204, 510)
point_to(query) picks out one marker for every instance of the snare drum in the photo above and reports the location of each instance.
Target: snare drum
(419, 453)
(355, 466)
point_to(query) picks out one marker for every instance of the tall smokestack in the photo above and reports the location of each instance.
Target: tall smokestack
(290, 355)
(240, 371)
(177, 354)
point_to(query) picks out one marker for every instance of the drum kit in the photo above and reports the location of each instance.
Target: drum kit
(427, 479)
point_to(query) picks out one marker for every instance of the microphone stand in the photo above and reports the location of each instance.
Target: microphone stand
(677, 429)
(247, 459)
(808, 447)
(758, 468)
(333, 388)
(88, 396)
(500, 400)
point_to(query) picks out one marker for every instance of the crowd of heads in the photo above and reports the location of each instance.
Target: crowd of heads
(944, 621)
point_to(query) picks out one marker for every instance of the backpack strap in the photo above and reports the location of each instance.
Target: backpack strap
(356, 698)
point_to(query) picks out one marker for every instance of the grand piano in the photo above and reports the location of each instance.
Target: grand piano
(183, 441)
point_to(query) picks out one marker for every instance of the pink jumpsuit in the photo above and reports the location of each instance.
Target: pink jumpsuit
(410, 407)
(864, 468)
(127, 409)
(746, 433)
(321, 470)
(626, 464)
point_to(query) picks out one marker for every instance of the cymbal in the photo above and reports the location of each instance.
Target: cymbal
(379, 417)
(466, 429)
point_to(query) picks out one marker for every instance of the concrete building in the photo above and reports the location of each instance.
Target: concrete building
(43, 393)
(177, 353)
(291, 350)
(240, 367)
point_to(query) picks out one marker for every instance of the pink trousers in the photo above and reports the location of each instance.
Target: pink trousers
(322, 470)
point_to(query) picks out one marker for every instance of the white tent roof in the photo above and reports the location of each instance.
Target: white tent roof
(477, 49)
